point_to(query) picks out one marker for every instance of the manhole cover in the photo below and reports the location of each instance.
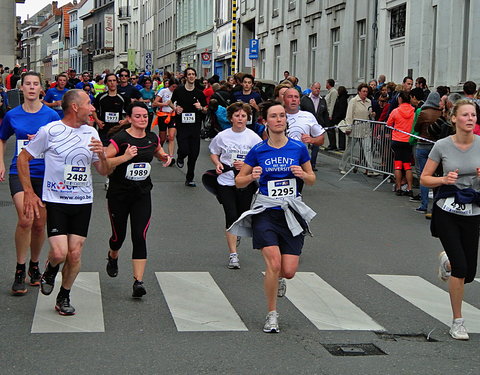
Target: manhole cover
(6, 203)
(351, 350)
(416, 337)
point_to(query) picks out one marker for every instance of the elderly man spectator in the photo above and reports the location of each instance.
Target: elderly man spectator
(330, 99)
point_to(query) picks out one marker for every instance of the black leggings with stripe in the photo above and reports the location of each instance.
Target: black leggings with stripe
(139, 208)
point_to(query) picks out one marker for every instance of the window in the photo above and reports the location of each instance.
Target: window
(334, 53)
(362, 49)
(262, 63)
(312, 51)
(275, 8)
(397, 21)
(293, 57)
(276, 62)
(125, 38)
(261, 5)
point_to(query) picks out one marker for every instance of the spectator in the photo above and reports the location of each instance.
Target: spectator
(401, 118)
(330, 99)
(279, 91)
(421, 83)
(339, 113)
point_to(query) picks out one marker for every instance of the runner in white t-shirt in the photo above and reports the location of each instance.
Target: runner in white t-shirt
(70, 148)
(166, 116)
(228, 149)
(302, 125)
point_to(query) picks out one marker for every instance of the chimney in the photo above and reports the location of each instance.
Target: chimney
(54, 6)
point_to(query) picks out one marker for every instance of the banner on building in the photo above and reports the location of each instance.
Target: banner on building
(131, 60)
(148, 60)
(108, 42)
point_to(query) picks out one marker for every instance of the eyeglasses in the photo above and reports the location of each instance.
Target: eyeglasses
(123, 75)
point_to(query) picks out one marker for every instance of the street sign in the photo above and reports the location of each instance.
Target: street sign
(253, 49)
(206, 58)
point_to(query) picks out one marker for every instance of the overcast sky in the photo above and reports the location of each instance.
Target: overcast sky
(33, 6)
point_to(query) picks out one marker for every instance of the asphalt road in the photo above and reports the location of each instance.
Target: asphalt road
(358, 232)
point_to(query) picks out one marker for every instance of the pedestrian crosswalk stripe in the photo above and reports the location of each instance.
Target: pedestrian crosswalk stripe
(477, 280)
(325, 307)
(197, 303)
(429, 298)
(85, 297)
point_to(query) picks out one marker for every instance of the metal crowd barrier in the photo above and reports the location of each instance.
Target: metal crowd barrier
(370, 148)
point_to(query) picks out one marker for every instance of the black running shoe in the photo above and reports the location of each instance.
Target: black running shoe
(190, 184)
(112, 266)
(138, 289)
(47, 282)
(63, 306)
(35, 275)
(180, 163)
(18, 287)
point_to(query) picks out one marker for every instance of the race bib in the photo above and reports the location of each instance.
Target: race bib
(75, 175)
(282, 188)
(21, 144)
(112, 117)
(188, 118)
(237, 156)
(457, 208)
(138, 171)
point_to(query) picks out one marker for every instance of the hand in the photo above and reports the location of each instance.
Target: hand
(123, 122)
(256, 172)
(2, 172)
(451, 177)
(100, 124)
(306, 138)
(178, 109)
(297, 171)
(96, 146)
(166, 159)
(238, 164)
(219, 168)
(31, 205)
(131, 152)
(197, 105)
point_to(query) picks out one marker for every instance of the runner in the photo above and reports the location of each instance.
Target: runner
(70, 147)
(456, 208)
(280, 217)
(110, 107)
(228, 149)
(166, 115)
(148, 96)
(130, 152)
(53, 98)
(24, 121)
(190, 105)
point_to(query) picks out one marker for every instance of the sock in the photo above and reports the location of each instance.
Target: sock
(233, 255)
(52, 270)
(63, 293)
(33, 264)
(21, 267)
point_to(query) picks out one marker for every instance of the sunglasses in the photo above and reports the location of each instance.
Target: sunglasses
(123, 75)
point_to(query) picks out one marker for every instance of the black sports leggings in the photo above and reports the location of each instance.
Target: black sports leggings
(459, 236)
(139, 208)
(188, 140)
(235, 201)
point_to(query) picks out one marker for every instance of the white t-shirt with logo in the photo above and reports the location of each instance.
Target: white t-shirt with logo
(68, 160)
(166, 95)
(232, 146)
(303, 122)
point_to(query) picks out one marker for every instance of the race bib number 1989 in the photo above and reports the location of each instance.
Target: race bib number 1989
(138, 171)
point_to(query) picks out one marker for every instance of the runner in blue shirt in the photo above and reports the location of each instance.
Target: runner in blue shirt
(278, 164)
(53, 98)
(23, 122)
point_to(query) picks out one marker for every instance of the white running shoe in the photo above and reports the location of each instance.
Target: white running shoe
(271, 323)
(233, 262)
(458, 331)
(282, 287)
(443, 272)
